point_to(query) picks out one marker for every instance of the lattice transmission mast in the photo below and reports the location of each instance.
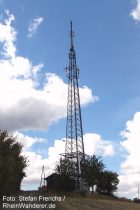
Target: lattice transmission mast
(74, 148)
(43, 181)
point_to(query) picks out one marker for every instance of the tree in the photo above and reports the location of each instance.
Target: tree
(95, 174)
(93, 171)
(66, 171)
(12, 164)
(93, 168)
(108, 182)
(66, 167)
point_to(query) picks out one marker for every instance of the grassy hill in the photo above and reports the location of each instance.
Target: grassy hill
(73, 202)
(96, 204)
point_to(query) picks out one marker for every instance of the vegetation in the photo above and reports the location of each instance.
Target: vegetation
(93, 203)
(12, 164)
(93, 170)
(66, 173)
(66, 167)
(74, 201)
(95, 174)
(136, 200)
(107, 182)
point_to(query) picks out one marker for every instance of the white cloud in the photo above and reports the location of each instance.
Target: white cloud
(94, 144)
(22, 104)
(33, 25)
(27, 141)
(130, 168)
(136, 12)
(36, 161)
(33, 171)
(86, 96)
(8, 35)
(37, 69)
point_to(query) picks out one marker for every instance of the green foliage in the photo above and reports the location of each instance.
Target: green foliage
(108, 182)
(12, 164)
(93, 168)
(94, 173)
(66, 167)
(66, 171)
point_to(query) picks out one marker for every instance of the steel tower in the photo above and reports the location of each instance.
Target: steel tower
(74, 148)
(43, 181)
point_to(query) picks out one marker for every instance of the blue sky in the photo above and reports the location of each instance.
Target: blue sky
(35, 42)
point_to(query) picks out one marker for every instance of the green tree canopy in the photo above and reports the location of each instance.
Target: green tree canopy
(95, 174)
(12, 164)
(93, 168)
(66, 170)
(108, 182)
(93, 171)
(66, 167)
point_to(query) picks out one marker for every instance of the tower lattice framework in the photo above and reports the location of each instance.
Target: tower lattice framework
(74, 148)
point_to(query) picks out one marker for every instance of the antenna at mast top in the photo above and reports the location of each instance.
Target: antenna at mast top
(71, 35)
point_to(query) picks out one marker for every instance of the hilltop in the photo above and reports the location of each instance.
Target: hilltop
(91, 203)
(70, 202)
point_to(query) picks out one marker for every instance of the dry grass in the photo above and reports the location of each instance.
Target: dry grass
(96, 204)
(78, 202)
